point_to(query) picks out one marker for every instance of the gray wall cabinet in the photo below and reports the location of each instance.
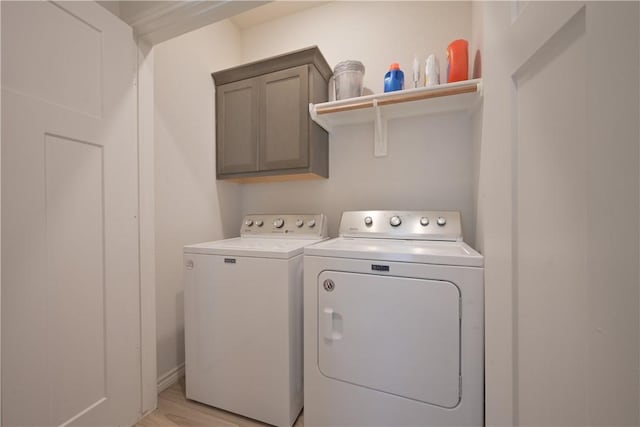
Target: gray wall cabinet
(264, 131)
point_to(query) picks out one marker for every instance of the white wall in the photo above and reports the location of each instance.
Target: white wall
(428, 167)
(430, 159)
(191, 206)
(376, 33)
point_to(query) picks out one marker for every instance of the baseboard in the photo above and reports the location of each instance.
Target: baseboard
(170, 378)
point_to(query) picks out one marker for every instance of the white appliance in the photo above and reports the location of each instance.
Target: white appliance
(243, 317)
(393, 323)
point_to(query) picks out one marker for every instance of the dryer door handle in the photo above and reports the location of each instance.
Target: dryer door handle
(331, 324)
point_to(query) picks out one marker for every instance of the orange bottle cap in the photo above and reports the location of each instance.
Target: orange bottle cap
(394, 66)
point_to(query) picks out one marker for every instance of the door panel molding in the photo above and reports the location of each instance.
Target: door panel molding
(45, 73)
(76, 266)
(535, 26)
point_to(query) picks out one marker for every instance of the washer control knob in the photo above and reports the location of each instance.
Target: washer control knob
(441, 221)
(278, 223)
(368, 220)
(248, 222)
(311, 223)
(299, 223)
(259, 222)
(395, 221)
(424, 221)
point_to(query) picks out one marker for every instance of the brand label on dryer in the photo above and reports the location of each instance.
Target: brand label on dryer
(379, 267)
(230, 260)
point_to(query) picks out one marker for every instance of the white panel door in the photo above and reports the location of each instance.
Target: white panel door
(560, 192)
(395, 335)
(70, 306)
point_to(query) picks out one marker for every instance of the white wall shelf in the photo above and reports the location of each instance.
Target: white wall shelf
(379, 108)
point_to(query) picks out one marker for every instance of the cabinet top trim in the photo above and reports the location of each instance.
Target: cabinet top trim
(310, 55)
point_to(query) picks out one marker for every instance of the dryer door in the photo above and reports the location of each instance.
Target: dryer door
(391, 334)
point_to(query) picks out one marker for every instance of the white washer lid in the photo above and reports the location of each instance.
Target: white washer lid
(257, 247)
(418, 251)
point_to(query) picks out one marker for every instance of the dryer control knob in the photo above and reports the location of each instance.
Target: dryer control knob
(278, 223)
(248, 223)
(259, 222)
(368, 220)
(424, 221)
(441, 221)
(395, 221)
(299, 223)
(311, 223)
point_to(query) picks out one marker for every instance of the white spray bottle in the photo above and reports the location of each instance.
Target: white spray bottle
(432, 71)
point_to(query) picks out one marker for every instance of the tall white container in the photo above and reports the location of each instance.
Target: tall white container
(432, 71)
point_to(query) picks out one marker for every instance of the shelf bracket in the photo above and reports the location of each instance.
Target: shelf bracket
(312, 112)
(314, 116)
(380, 132)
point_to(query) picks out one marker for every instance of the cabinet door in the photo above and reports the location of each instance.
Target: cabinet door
(237, 126)
(284, 119)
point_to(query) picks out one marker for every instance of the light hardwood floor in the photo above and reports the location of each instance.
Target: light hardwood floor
(175, 410)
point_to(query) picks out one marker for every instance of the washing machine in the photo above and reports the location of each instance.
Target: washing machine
(243, 317)
(393, 323)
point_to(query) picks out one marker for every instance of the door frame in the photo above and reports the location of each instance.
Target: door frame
(146, 228)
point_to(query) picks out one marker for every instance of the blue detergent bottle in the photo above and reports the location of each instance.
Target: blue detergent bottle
(394, 79)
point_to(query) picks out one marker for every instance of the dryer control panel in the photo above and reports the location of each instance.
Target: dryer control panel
(406, 225)
(297, 226)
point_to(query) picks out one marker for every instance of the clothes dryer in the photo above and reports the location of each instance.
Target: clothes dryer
(243, 317)
(394, 323)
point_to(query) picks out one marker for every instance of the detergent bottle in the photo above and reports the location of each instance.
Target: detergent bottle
(394, 79)
(458, 61)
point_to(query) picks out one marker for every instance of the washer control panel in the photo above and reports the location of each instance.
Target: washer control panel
(409, 225)
(285, 225)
